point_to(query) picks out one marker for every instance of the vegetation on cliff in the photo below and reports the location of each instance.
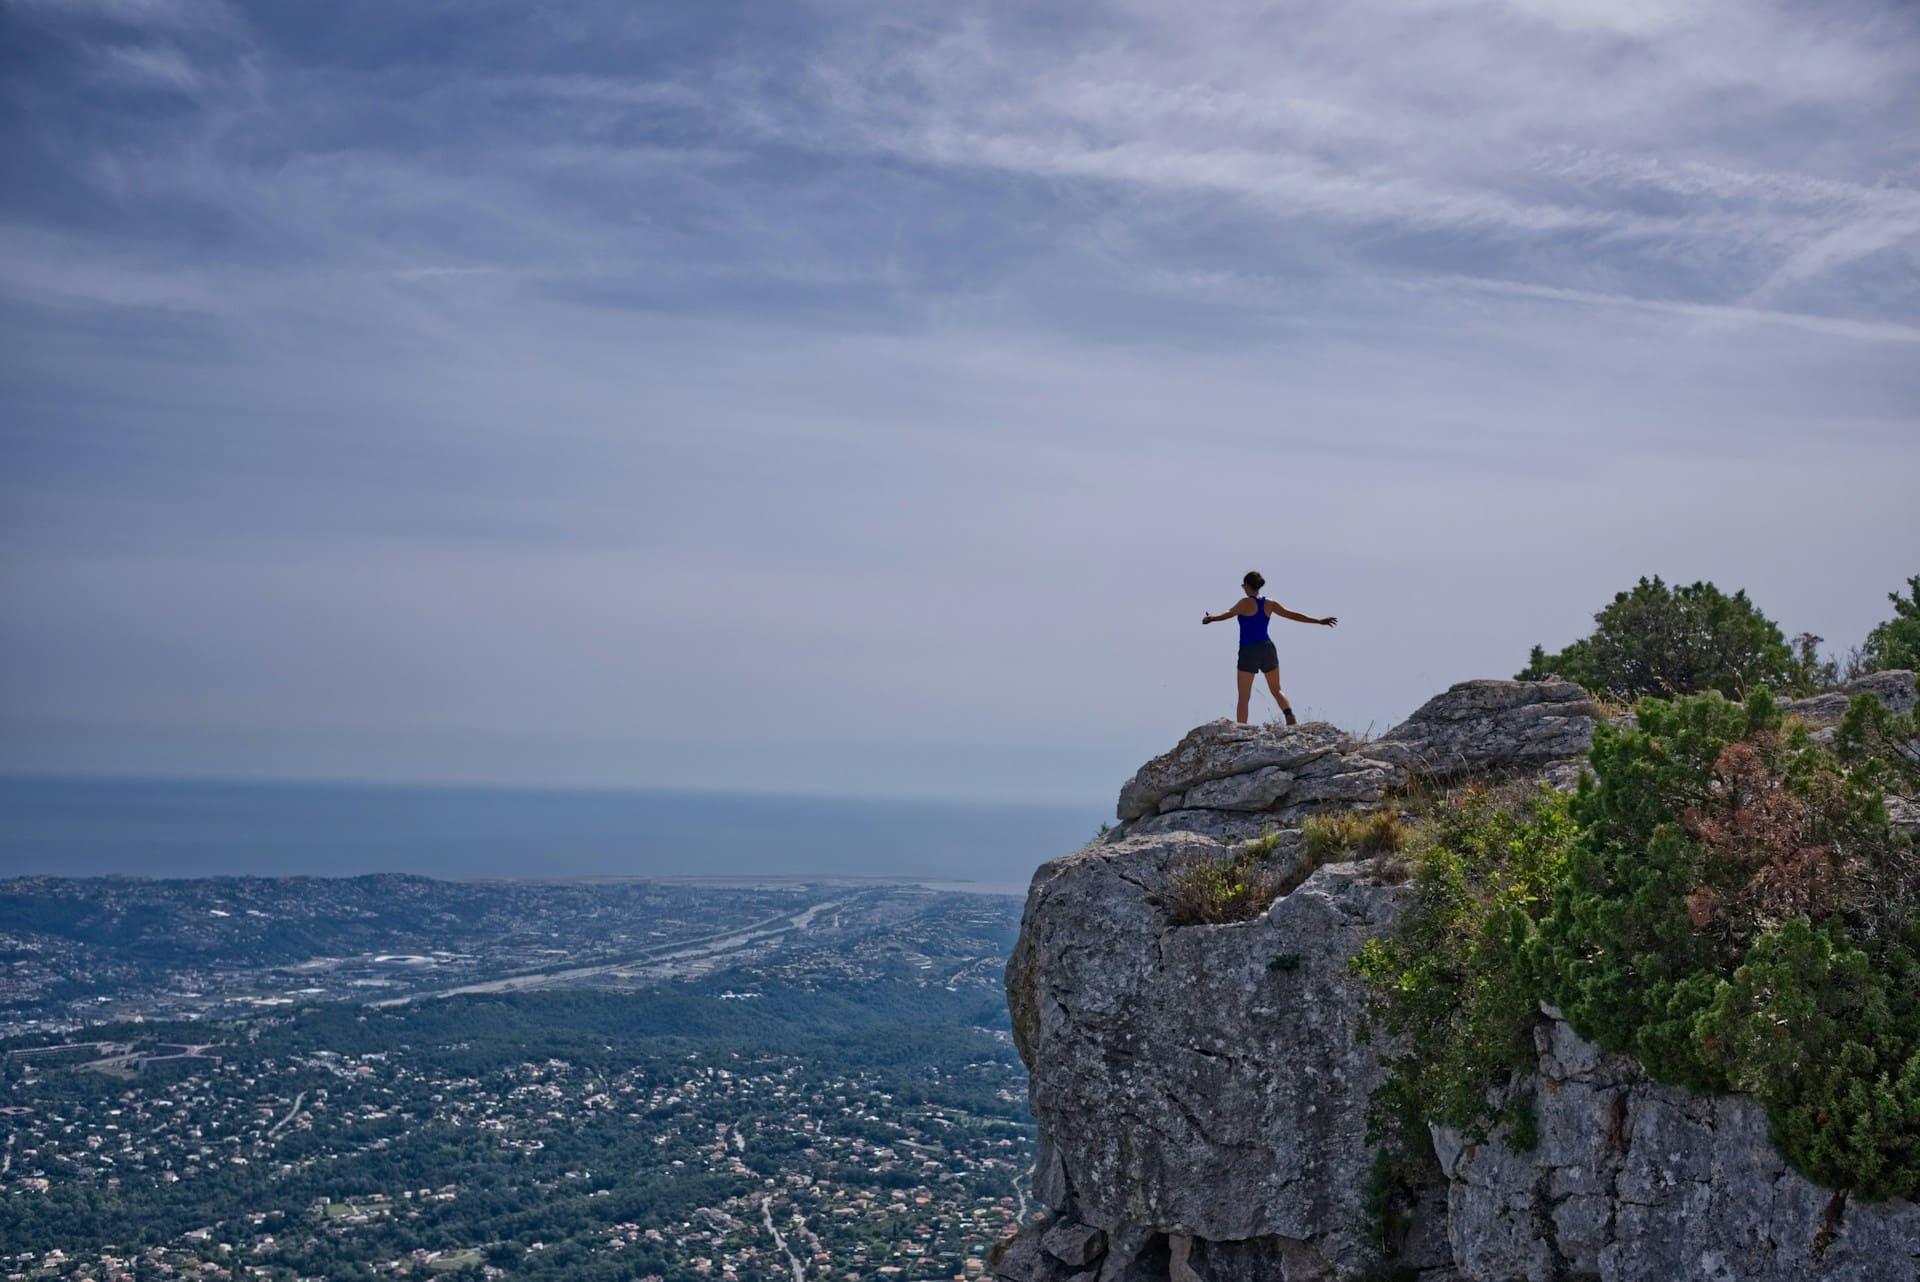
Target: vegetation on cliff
(1723, 899)
(1454, 981)
(1896, 642)
(1243, 883)
(1668, 641)
(1237, 886)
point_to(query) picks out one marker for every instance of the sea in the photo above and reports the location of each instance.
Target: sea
(80, 827)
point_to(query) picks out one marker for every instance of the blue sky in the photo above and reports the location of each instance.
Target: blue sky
(869, 398)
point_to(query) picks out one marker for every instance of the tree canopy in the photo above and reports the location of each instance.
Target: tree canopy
(1662, 641)
(1896, 643)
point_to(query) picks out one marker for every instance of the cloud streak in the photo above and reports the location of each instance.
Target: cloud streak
(640, 385)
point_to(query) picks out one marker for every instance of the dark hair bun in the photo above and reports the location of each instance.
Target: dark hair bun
(1254, 581)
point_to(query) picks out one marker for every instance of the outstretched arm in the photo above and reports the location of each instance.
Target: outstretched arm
(1242, 607)
(1285, 613)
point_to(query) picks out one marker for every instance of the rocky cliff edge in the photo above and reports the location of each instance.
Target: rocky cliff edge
(1202, 1091)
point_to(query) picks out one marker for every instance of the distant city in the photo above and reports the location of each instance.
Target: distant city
(393, 1076)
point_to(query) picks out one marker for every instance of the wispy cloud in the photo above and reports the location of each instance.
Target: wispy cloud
(149, 67)
(155, 14)
(1621, 17)
(606, 374)
(1832, 326)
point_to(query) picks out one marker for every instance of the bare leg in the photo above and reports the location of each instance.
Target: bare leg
(1246, 692)
(1273, 684)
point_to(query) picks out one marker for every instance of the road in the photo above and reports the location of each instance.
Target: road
(780, 1239)
(696, 949)
(292, 1113)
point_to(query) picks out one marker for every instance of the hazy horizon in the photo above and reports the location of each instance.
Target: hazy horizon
(867, 399)
(173, 828)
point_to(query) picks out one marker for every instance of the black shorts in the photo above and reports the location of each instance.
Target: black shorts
(1259, 658)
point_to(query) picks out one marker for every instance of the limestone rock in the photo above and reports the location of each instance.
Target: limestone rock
(1228, 826)
(1219, 749)
(1024, 1258)
(1074, 1243)
(1049, 1177)
(1205, 1080)
(1202, 1091)
(1351, 778)
(1256, 790)
(1222, 769)
(1633, 1181)
(1479, 727)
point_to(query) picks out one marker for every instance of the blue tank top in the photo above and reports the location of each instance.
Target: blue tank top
(1253, 627)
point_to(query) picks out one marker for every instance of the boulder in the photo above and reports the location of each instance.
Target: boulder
(1220, 749)
(1221, 769)
(1484, 727)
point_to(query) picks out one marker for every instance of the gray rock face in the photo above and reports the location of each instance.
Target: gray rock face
(1202, 1091)
(1632, 1181)
(1206, 1083)
(1232, 781)
(1220, 749)
(1228, 826)
(1255, 791)
(1479, 727)
(1074, 1244)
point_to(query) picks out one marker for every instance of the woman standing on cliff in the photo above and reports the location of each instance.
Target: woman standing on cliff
(1257, 652)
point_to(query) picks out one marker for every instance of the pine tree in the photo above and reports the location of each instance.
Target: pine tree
(1661, 641)
(1896, 643)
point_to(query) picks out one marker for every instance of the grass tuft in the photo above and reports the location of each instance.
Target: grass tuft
(1235, 887)
(1265, 844)
(1353, 834)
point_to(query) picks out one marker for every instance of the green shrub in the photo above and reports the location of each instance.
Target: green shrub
(1453, 984)
(1879, 746)
(1723, 899)
(1656, 640)
(1896, 643)
(1738, 913)
(1706, 826)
